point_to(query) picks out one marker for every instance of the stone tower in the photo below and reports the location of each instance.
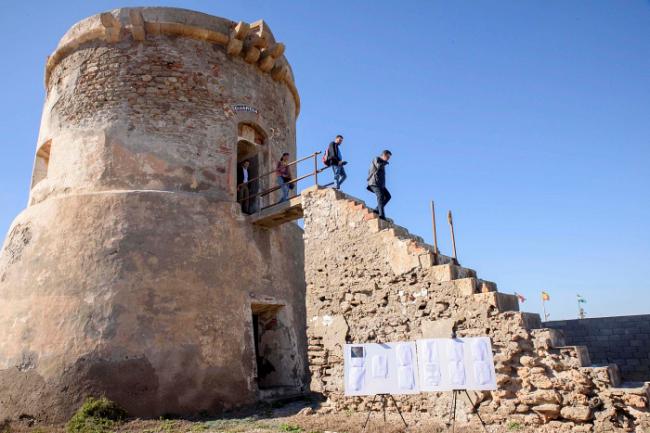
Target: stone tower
(133, 272)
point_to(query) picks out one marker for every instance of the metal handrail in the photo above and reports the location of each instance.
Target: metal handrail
(267, 191)
(288, 165)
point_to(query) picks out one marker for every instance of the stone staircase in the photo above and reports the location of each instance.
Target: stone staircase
(422, 255)
(410, 251)
(407, 253)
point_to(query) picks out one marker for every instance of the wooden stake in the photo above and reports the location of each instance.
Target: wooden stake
(435, 235)
(453, 237)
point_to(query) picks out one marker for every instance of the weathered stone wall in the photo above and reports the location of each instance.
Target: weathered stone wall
(369, 281)
(133, 273)
(623, 340)
(157, 114)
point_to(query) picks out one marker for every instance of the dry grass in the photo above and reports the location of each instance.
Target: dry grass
(283, 419)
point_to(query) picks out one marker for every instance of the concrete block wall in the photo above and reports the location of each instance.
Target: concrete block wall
(624, 340)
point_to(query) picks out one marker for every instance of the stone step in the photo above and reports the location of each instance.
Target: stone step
(398, 232)
(375, 224)
(641, 389)
(632, 394)
(530, 321)
(450, 272)
(486, 286)
(502, 301)
(580, 355)
(279, 394)
(549, 338)
(609, 374)
(466, 286)
(471, 286)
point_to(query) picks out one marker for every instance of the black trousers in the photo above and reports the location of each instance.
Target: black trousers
(383, 197)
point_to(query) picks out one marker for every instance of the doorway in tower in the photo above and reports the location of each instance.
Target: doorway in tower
(276, 356)
(250, 148)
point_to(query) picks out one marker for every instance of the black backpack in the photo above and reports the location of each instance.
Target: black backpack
(326, 157)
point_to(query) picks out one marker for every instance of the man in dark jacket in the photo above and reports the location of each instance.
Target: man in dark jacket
(335, 160)
(243, 186)
(377, 181)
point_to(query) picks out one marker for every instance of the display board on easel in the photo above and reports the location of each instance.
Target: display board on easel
(427, 365)
(381, 368)
(447, 364)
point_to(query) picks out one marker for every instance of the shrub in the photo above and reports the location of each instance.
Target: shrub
(96, 415)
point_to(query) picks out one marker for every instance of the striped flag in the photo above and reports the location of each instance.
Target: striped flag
(521, 297)
(545, 296)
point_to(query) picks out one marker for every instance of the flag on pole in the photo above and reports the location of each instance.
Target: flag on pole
(581, 300)
(521, 297)
(545, 296)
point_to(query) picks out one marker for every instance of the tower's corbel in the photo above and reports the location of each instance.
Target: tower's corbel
(237, 35)
(137, 25)
(280, 73)
(112, 27)
(269, 56)
(254, 46)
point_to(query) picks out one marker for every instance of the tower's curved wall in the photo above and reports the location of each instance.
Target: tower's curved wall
(133, 273)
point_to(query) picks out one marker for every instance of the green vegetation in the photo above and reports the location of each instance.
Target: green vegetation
(290, 428)
(96, 415)
(514, 426)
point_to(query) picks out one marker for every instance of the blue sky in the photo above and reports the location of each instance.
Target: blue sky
(529, 119)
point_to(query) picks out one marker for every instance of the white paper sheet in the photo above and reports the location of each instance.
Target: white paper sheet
(379, 367)
(446, 364)
(389, 368)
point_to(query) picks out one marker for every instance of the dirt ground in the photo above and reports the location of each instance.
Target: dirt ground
(290, 418)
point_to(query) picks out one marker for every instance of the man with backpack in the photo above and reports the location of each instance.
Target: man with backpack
(334, 159)
(377, 181)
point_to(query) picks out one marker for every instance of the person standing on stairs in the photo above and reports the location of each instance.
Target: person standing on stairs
(377, 181)
(284, 177)
(335, 160)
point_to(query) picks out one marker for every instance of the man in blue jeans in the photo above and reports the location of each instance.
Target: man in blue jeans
(377, 181)
(335, 160)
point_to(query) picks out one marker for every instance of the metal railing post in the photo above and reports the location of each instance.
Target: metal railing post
(316, 169)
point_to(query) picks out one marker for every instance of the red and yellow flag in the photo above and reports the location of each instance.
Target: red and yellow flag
(545, 296)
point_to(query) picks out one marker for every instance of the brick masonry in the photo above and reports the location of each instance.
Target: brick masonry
(623, 340)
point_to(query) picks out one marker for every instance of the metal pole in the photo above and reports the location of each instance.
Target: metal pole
(453, 237)
(435, 235)
(315, 169)
(544, 308)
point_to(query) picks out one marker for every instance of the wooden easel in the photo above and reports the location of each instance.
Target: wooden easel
(384, 401)
(452, 412)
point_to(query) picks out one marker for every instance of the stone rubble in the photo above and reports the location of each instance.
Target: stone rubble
(371, 281)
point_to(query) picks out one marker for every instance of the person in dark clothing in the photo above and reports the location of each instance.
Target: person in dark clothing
(377, 181)
(243, 187)
(335, 160)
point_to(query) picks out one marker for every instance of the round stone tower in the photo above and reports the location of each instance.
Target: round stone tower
(133, 273)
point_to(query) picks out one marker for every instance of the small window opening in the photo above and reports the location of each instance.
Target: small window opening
(41, 163)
